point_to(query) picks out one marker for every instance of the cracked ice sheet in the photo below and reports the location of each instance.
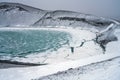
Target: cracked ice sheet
(82, 52)
(64, 53)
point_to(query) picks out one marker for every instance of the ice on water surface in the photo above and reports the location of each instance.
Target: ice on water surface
(24, 42)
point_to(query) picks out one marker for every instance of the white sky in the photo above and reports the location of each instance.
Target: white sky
(106, 8)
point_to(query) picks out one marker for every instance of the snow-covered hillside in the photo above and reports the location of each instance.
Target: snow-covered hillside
(15, 14)
(59, 41)
(105, 70)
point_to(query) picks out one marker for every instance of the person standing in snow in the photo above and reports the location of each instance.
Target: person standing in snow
(72, 49)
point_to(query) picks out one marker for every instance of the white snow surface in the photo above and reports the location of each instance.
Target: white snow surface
(110, 73)
(82, 27)
(106, 70)
(40, 71)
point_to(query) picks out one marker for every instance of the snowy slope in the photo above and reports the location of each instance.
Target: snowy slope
(95, 39)
(28, 73)
(99, 70)
(70, 19)
(15, 14)
(105, 70)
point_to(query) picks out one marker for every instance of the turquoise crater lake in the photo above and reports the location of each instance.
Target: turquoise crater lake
(20, 43)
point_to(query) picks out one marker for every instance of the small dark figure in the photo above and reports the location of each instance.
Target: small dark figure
(82, 44)
(72, 49)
